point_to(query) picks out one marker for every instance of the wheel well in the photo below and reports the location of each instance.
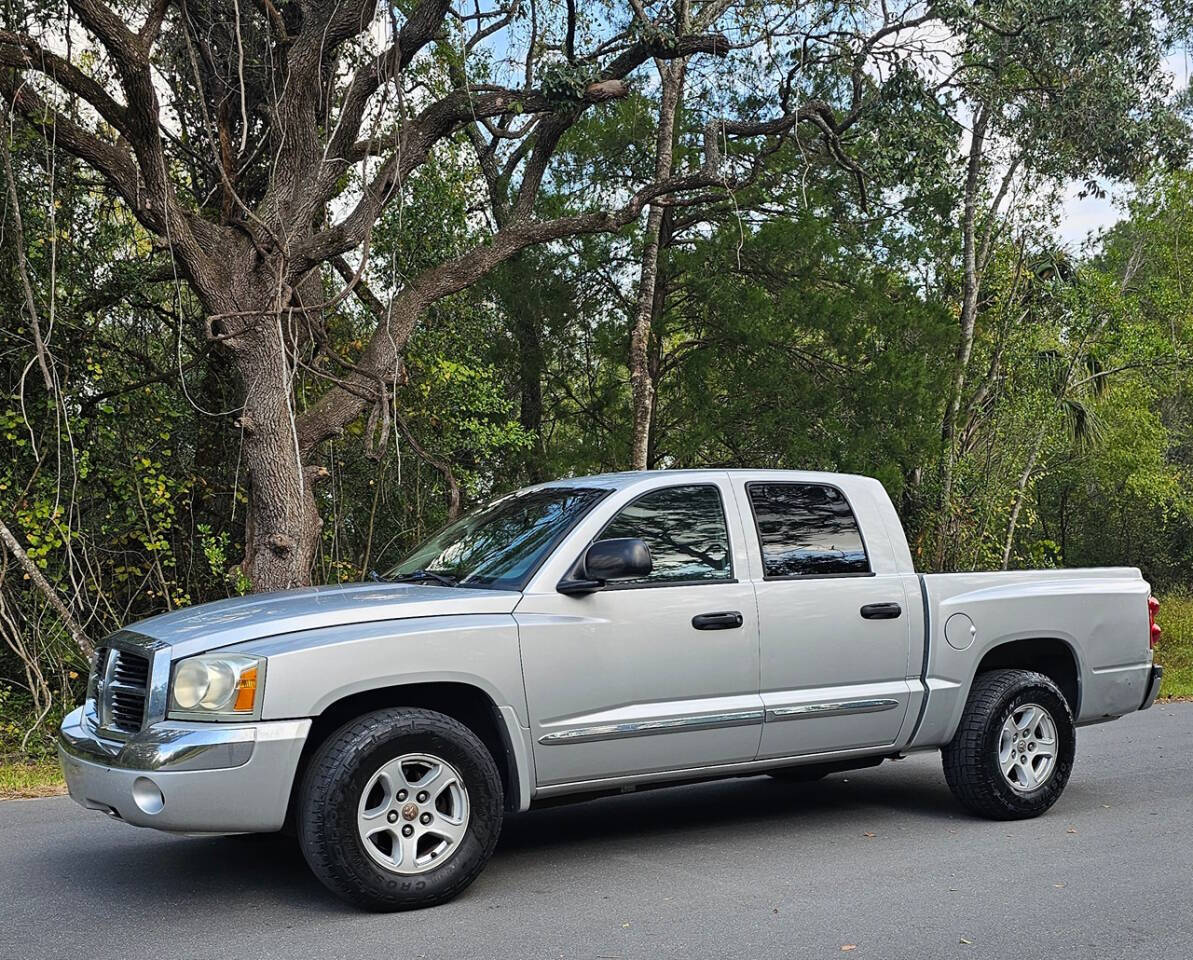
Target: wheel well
(470, 705)
(1047, 655)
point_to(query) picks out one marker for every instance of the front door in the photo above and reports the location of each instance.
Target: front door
(652, 675)
(834, 628)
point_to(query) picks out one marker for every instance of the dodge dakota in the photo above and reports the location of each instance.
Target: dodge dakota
(600, 635)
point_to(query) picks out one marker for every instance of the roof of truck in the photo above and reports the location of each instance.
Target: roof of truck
(629, 477)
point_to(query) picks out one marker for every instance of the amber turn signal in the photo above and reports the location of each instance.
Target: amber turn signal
(246, 690)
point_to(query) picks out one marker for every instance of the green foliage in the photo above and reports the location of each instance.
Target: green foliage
(564, 83)
(1175, 649)
(792, 329)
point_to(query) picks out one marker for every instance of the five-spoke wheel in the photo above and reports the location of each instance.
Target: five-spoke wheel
(1027, 747)
(413, 813)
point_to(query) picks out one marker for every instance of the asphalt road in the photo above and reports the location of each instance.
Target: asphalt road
(881, 860)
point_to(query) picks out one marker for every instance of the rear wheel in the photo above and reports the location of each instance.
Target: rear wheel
(400, 809)
(1012, 754)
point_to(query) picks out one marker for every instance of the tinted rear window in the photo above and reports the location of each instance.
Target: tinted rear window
(806, 529)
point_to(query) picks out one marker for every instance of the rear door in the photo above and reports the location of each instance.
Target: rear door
(833, 623)
(653, 675)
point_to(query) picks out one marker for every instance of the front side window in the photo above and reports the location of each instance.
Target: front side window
(806, 529)
(502, 544)
(684, 527)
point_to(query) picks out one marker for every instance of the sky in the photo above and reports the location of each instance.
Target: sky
(1086, 216)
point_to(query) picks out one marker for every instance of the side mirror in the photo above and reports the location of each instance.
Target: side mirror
(623, 558)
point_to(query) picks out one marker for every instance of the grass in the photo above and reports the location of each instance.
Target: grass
(1175, 649)
(21, 780)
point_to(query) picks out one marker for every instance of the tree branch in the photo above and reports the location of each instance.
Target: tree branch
(459, 108)
(73, 627)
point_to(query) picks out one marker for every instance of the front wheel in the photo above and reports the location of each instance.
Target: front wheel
(400, 809)
(1013, 751)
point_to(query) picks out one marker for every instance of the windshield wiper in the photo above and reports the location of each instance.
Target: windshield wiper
(417, 576)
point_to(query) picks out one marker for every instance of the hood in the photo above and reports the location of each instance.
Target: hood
(210, 626)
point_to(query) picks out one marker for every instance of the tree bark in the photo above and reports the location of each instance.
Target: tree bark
(262, 331)
(1020, 494)
(283, 526)
(77, 633)
(969, 306)
(671, 75)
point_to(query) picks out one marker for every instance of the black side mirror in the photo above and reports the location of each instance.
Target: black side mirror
(623, 558)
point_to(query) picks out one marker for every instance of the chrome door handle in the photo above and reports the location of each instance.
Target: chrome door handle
(881, 611)
(724, 620)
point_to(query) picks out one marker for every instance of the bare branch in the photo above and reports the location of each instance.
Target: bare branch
(24, 53)
(22, 268)
(73, 627)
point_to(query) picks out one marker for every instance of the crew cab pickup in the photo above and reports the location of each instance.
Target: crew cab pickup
(595, 635)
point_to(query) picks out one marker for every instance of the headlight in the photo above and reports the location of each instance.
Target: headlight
(217, 687)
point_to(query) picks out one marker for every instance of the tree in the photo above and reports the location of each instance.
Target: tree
(259, 145)
(1049, 93)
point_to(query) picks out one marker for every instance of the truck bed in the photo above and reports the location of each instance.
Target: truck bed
(1096, 617)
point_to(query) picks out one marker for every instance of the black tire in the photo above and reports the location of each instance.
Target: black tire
(331, 793)
(971, 763)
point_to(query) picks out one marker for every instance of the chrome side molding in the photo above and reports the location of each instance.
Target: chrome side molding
(642, 728)
(712, 721)
(839, 708)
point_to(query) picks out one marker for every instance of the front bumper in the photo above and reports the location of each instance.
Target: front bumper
(185, 777)
(1153, 687)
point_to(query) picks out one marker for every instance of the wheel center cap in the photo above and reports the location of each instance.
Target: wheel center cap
(410, 811)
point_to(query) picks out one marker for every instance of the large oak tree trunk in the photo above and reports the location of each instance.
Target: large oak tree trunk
(283, 523)
(252, 317)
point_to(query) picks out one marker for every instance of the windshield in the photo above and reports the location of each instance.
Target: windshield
(501, 544)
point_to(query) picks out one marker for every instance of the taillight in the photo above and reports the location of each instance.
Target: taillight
(1154, 630)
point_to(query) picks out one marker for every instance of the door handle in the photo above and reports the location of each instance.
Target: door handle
(881, 611)
(724, 620)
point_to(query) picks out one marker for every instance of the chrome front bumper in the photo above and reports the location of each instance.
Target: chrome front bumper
(185, 777)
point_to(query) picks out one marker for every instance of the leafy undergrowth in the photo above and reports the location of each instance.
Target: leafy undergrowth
(20, 780)
(1175, 649)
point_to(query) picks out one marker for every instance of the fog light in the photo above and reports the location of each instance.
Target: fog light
(147, 796)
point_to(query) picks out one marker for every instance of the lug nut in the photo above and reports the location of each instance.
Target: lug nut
(392, 816)
(425, 818)
(401, 795)
(408, 831)
(422, 796)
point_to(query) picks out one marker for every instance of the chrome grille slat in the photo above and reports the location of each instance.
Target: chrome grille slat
(121, 690)
(135, 675)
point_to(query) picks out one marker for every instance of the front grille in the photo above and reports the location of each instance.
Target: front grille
(121, 690)
(95, 681)
(131, 670)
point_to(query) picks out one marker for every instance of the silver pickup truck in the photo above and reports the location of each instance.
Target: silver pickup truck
(597, 635)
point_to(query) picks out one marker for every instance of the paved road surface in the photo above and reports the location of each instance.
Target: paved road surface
(881, 859)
